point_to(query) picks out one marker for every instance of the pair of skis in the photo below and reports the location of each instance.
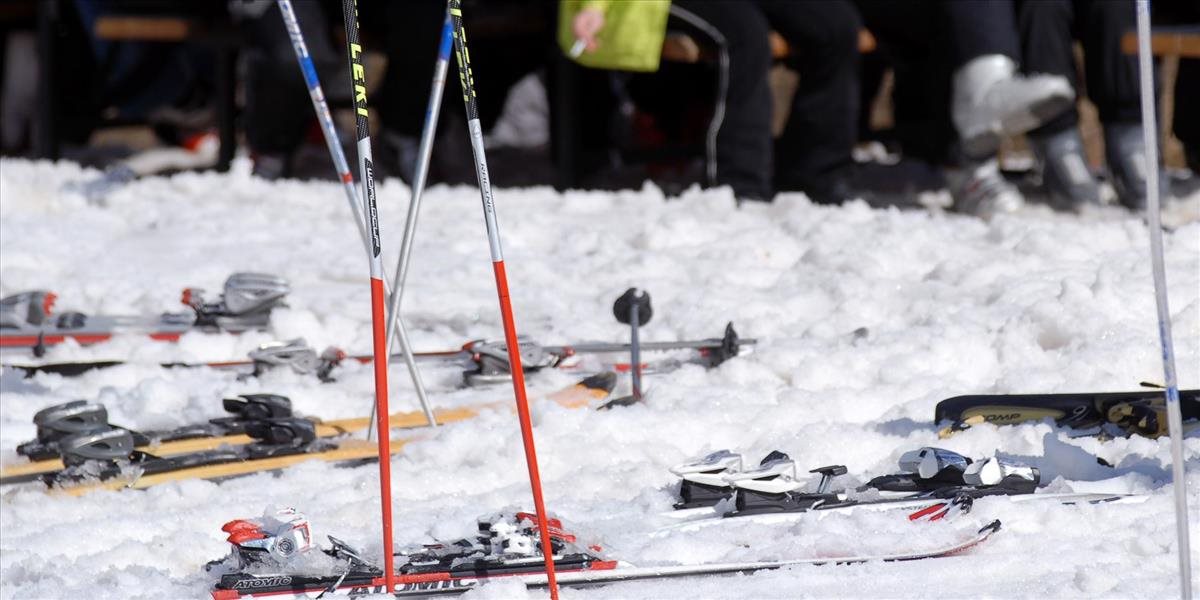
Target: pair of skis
(486, 360)
(78, 450)
(268, 558)
(716, 488)
(27, 320)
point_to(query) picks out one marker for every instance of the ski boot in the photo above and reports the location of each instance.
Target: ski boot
(1125, 153)
(991, 100)
(978, 188)
(1065, 173)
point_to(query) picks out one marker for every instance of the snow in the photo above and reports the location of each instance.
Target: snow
(942, 304)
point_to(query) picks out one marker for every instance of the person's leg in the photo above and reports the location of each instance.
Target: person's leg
(1111, 75)
(277, 108)
(1113, 85)
(814, 149)
(990, 99)
(742, 116)
(413, 30)
(1047, 47)
(908, 37)
(1187, 114)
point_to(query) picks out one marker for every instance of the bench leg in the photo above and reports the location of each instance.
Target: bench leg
(226, 108)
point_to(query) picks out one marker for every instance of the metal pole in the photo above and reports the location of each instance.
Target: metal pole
(432, 111)
(635, 354)
(358, 80)
(329, 129)
(1174, 418)
(506, 313)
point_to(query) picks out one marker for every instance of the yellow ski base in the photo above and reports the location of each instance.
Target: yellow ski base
(346, 451)
(578, 395)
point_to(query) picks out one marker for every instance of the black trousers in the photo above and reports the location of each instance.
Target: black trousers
(277, 108)
(1048, 31)
(925, 41)
(822, 123)
(501, 54)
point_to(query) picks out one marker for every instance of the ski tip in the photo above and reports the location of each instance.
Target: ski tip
(990, 528)
(605, 381)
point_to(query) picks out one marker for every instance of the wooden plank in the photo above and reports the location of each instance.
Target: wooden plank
(1185, 43)
(682, 48)
(147, 29)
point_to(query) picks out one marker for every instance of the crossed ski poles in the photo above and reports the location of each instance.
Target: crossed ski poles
(395, 325)
(386, 328)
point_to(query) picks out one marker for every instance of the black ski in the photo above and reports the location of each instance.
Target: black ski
(1141, 412)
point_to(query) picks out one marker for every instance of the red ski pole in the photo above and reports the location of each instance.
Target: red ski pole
(358, 79)
(506, 313)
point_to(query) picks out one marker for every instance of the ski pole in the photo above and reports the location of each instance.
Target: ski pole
(506, 313)
(432, 110)
(633, 309)
(358, 81)
(1174, 417)
(329, 129)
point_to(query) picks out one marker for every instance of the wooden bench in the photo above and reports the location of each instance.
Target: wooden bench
(682, 48)
(147, 27)
(1167, 41)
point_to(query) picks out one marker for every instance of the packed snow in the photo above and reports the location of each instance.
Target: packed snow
(865, 317)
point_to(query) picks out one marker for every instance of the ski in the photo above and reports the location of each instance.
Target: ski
(269, 556)
(1112, 413)
(716, 488)
(486, 361)
(27, 320)
(71, 422)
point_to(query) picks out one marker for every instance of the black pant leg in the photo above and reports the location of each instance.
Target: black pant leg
(1112, 75)
(912, 39)
(743, 143)
(1047, 46)
(1187, 112)
(979, 28)
(277, 106)
(822, 125)
(412, 30)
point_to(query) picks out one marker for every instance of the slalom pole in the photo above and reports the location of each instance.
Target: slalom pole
(1174, 418)
(358, 80)
(432, 110)
(292, 24)
(506, 313)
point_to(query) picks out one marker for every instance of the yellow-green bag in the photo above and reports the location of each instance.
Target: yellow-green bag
(632, 36)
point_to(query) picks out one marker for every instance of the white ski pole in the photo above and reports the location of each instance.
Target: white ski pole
(1174, 418)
